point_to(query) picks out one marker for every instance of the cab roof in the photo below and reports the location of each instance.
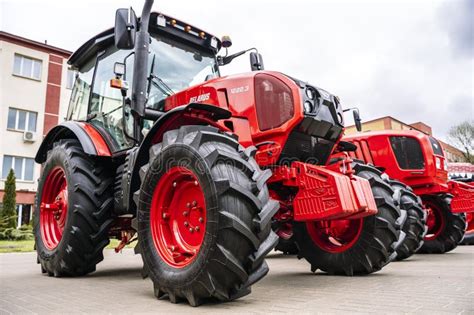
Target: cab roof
(174, 29)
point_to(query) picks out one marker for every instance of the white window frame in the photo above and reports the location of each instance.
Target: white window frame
(27, 119)
(34, 62)
(23, 168)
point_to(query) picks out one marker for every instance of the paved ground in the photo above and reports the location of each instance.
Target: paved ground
(433, 284)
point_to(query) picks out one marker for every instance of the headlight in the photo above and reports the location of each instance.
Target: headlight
(308, 107)
(445, 164)
(438, 163)
(310, 93)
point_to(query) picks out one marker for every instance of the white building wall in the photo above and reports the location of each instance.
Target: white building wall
(27, 94)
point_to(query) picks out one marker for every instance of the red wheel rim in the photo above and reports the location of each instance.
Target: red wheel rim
(335, 236)
(178, 217)
(53, 208)
(435, 220)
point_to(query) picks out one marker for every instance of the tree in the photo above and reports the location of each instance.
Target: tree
(462, 136)
(8, 214)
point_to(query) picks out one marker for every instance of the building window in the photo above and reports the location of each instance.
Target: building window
(23, 167)
(21, 120)
(27, 67)
(71, 77)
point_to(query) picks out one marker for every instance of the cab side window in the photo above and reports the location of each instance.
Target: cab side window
(80, 93)
(106, 104)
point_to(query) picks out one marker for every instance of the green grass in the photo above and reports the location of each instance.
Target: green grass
(28, 246)
(17, 246)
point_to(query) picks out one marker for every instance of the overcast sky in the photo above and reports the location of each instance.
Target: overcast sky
(413, 60)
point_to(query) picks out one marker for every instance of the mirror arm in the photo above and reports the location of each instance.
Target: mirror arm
(228, 59)
(357, 120)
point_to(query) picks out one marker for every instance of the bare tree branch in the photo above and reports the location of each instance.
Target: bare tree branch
(462, 136)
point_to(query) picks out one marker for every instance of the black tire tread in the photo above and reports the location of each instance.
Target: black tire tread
(258, 236)
(453, 232)
(90, 220)
(415, 226)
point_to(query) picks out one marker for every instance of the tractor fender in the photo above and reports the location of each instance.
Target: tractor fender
(191, 114)
(91, 141)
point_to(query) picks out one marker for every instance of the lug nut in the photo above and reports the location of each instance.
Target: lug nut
(174, 184)
(201, 220)
(165, 215)
(185, 213)
(197, 228)
(194, 203)
(191, 230)
(188, 205)
(186, 223)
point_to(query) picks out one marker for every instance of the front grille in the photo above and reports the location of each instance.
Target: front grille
(408, 153)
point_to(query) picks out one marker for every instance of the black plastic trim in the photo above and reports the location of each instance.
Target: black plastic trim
(65, 130)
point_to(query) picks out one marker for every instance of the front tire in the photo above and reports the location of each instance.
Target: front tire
(235, 212)
(360, 246)
(415, 227)
(445, 229)
(73, 211)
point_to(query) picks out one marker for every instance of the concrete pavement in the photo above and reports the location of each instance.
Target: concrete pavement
(430, 284)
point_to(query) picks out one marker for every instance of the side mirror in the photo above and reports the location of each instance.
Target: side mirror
(125, 28)
(357, 120)
(119, 69)
(256, 61)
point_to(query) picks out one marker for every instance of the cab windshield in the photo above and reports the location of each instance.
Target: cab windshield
(174, 67)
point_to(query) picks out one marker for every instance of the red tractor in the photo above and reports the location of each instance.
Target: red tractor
(418, 161)
(158, 145)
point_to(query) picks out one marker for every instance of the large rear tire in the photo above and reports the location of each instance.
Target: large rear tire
(364, 245)
(445, 229)
(415, 227)
(229, 235)
(73, 211)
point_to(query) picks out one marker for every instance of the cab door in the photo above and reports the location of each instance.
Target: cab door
(106, 106)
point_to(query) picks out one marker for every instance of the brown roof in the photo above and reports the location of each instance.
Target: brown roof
(388, 117)
(15, 39)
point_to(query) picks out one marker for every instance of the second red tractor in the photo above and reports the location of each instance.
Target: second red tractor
(418, 160)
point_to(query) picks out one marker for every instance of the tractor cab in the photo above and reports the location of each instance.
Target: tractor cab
(180, 56)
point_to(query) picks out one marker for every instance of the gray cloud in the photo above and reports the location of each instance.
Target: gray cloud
(457, 20)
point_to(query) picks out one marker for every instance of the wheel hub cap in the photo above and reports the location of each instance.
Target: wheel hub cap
(335, 236)
(178, 217)
(435, 221)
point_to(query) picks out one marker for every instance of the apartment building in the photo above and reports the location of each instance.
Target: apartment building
(35, 86)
